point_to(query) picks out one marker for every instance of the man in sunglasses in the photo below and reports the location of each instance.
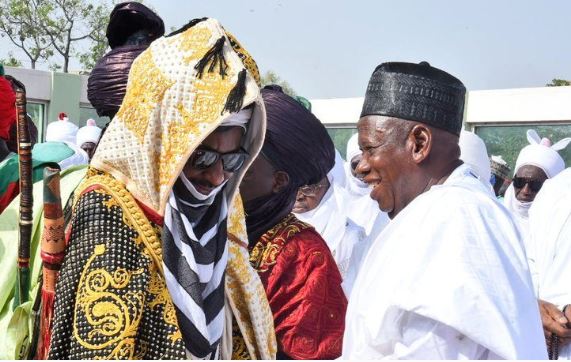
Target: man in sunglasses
(447, 278)
(297, 269)
(153, 227)
(535, 163)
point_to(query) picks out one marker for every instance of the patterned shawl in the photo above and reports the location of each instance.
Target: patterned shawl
(179, 91)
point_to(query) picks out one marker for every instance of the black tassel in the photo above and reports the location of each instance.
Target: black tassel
(236, 96)
(190, 24)
(214, 56)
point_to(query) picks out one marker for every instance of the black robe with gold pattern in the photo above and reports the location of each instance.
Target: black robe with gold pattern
(112, 301)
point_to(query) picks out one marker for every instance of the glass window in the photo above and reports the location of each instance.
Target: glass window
(340, 137)
(507, 141)
(37, 113)
(87, 112)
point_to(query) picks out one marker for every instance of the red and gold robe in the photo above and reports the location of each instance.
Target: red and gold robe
(303, 286)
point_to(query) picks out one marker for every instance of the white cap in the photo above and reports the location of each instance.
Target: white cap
(542, 154)
(473, 152)
(89, 133)
(61, 130)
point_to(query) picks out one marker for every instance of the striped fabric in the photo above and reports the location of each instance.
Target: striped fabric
(195, 255)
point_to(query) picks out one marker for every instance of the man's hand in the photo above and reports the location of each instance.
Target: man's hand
(554, 321)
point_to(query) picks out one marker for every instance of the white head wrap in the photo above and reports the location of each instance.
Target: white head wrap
(353, 147)
(61, 130)
(89, 133)
(541, 154)
(337, 173)
(239, 119)
(473, 152)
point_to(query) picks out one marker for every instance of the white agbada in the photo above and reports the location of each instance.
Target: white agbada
(330, 219)
(64, 131)
(446, 279)
(539, 153)
(550, 244)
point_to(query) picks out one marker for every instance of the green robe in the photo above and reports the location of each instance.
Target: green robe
(18, 322)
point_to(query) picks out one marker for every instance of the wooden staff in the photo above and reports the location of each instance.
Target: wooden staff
(52, 253)
(26, 198)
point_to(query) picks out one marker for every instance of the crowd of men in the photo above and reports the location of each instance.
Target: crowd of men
(214, 219)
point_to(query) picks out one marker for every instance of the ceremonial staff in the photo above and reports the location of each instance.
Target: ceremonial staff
(53, 248)
(26, 199)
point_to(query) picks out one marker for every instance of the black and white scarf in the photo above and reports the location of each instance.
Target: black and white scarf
(195, 255)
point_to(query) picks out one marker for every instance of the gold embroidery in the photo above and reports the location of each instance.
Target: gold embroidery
(135, 219)
(239, 349)
(210, 94)
(132, 213)
(266, 251)
(111, 316)
(145, 90)
(247, 59)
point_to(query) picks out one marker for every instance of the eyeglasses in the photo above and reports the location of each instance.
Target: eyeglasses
(311, 190)
(534, 185)
(204, 158)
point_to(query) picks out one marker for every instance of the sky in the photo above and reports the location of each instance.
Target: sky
(328, 49)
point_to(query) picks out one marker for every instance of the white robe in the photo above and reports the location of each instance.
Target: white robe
(549, 252)
(330, 220)
(519, 210)
(446, 279)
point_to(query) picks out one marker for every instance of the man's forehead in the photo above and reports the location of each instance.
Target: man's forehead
(373, 123)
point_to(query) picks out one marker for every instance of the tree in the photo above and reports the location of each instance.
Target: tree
(98, 23)
(558, 83)
(11, 61)
(270, 77)
(19, 22)
(70, 22)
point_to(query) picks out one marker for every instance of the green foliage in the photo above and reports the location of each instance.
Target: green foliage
(340, 137)
(508, 141)
(11, 61)
(270, 77)
(558, 83)
(19, 22)
(44, 28)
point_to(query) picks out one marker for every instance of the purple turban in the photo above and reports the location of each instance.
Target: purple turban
(132, 27)
(296, 141)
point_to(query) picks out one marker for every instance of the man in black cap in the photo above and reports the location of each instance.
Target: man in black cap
(447, 278)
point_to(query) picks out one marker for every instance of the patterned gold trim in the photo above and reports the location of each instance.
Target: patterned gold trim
(132, 214)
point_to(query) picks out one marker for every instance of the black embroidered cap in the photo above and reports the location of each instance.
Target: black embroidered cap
(416, 92)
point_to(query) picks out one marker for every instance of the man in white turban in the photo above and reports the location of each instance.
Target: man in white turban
(549, 251)
(64, 131)
(324, 206)
(536, 163)
(88, 137)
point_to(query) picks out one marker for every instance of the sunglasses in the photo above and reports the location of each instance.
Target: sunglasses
(534, 185)
(204, 158)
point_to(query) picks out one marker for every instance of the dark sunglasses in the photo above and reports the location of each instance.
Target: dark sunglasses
(204, 158)
(534, 185)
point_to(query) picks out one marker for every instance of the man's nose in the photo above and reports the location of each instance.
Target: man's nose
(362, 167)
(526, 189)
(215, 174)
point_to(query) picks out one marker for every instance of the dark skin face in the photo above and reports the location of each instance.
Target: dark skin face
(206, 180)
(354, 162)
(262, 179)
(402, 159)
(532, 173)
(308, 200)
(89, 148)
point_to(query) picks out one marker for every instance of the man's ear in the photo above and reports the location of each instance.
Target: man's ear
(281, 181)
(420, 137)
